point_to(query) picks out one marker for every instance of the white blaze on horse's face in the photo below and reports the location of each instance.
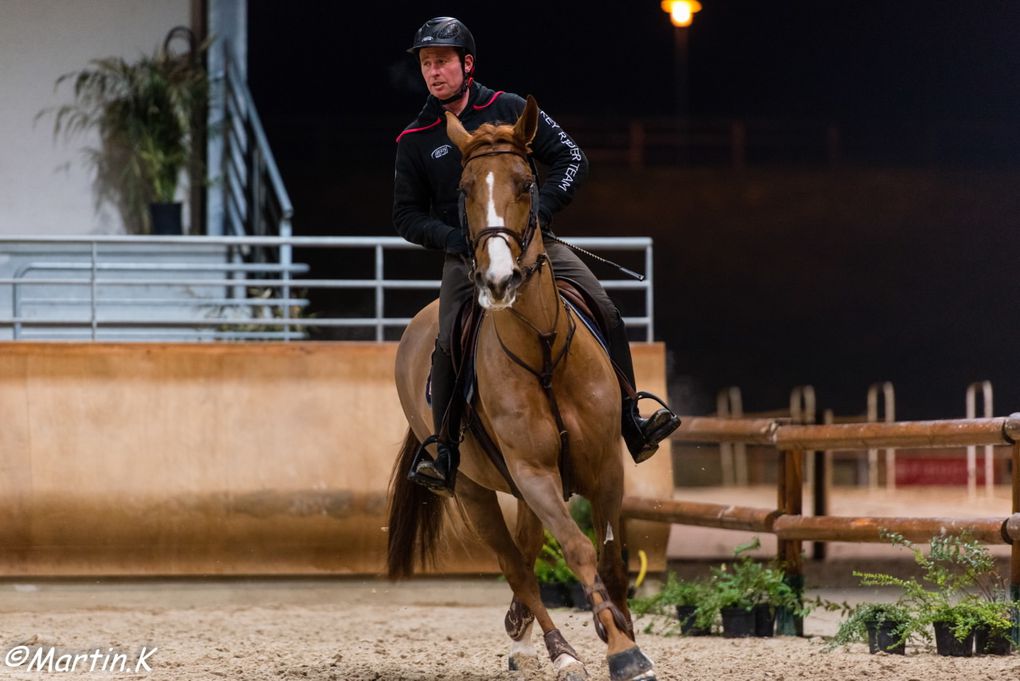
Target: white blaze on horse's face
(494, 290)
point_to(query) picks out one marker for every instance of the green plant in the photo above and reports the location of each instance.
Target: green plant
(996, 615)
(146, 114)
(745, 583)
(678, 592)
(959, 585)
(854, 628)
(551, 565)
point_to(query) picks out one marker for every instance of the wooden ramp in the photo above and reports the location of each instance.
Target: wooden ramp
(184, 459)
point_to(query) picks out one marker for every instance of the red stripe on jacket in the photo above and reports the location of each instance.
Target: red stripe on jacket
(478, 107)
(425, 127)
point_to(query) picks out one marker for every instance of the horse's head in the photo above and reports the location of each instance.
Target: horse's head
(500, 202)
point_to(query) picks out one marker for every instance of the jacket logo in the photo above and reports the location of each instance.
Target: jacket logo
(440, 152)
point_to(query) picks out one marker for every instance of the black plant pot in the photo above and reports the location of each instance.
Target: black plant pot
(947, 644)
(555, 595)
(688, 625)
(737, 622)
(166, 218)
(577, 597)
(882, 637)
(987, 643)
(764, 620)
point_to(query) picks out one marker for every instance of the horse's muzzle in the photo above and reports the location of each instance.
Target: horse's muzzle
(498, 292)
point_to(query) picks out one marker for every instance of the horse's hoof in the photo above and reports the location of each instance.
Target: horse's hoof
(572, 670)
(520, 662)
(631, 665)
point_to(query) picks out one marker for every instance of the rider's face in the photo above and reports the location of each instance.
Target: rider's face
(441, 69)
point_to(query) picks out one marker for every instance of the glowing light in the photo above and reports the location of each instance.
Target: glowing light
(681, 12)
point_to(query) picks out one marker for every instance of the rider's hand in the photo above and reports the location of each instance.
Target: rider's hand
(456, 244)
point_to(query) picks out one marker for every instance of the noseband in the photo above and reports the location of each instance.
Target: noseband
(523, 241)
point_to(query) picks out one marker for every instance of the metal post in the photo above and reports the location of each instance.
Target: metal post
(649, 294)
(791, 481)
(16, 307)
(379, 293)
(286, 259)
(732, 455)
(680, 56)
(986, 395)
(889, 405)
(92, 291)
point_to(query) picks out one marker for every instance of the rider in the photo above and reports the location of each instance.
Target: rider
(425, 212)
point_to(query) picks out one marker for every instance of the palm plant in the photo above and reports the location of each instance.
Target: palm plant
(146, 113)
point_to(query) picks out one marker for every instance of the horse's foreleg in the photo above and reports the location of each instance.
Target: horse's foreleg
(606, 518)
(542, 492)
(486, 518)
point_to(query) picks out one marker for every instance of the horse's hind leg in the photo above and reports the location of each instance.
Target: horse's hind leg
(486, 517)
(519, 619)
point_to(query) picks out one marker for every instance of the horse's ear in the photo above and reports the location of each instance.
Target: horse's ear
(527, 124)
(456, 132)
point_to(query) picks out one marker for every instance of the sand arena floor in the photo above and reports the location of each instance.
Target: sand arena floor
(368, 629)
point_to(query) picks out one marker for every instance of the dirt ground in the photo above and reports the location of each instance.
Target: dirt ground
(368, 629)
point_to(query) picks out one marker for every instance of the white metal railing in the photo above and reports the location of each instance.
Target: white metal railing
(228, 287)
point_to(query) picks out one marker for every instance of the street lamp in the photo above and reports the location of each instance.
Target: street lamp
(681, 12)
(681, 15)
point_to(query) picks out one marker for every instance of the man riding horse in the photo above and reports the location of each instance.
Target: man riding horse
(426, 212)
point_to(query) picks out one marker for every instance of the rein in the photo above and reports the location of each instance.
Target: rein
(547, 339)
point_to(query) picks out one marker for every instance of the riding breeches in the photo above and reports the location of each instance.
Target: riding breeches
(457, 288)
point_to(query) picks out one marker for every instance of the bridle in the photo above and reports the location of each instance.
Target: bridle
(546, 339)
(523, 240)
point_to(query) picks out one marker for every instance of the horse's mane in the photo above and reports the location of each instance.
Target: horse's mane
(491, 134)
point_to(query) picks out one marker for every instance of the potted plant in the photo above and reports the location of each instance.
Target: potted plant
(146, 113)
(995, 625)
(960, 592)
(690, 599)
(748, 593)
(554, 576)
(885, 627)
(954, 625)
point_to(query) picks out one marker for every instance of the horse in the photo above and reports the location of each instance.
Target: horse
(549, 398)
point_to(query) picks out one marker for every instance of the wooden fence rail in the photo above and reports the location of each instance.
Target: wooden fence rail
(793, 440)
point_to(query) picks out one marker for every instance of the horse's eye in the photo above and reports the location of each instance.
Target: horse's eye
(525, 187)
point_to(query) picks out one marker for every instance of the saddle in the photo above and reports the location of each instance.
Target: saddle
(466, 327)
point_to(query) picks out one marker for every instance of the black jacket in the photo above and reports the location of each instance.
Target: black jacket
(428, 168)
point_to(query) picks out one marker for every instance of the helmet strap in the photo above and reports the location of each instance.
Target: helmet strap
(460, 92)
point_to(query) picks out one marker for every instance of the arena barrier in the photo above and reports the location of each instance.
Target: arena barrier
(222, 459)
(792, 441)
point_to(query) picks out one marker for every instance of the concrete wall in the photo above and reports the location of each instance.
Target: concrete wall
(44, 187)
(149, 459)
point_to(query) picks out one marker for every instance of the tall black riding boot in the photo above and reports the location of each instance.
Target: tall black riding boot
(642, 435)
(440, 475)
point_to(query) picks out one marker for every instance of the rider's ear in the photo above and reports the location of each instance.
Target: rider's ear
(456, 132)
(527, 124)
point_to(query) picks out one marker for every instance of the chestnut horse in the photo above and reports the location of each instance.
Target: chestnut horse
(527, 333)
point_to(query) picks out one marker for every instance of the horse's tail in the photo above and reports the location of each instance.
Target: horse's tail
(416, 516)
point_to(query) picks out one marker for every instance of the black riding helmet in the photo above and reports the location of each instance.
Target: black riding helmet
(446, 32)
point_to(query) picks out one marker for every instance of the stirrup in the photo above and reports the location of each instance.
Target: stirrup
(650, 431)
(425, 473)
(642, 395)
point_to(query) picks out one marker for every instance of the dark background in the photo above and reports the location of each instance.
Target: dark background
(896, 263)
